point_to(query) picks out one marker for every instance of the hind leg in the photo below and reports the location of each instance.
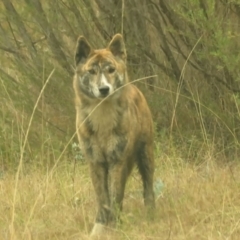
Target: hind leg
(145, 163)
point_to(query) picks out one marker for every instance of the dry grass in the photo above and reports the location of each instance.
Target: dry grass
(197, 202)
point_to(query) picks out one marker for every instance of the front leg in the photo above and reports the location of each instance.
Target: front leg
(118, 174)
(99, 176)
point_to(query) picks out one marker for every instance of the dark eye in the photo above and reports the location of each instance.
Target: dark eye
(111, 70)
(92, 71)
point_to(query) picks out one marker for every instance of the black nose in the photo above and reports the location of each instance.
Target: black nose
(104, 90)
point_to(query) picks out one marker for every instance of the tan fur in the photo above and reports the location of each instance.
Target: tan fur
(119, 132)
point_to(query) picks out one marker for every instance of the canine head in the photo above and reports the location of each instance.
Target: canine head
(100, 72)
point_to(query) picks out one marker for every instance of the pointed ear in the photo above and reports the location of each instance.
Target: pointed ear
(83, 50)
(117, 46)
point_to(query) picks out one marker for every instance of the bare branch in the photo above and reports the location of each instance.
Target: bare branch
(20, 25)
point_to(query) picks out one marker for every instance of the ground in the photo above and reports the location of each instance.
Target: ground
(192, 202)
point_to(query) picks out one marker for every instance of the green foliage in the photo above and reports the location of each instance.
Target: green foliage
(77, 152)
(191, 46)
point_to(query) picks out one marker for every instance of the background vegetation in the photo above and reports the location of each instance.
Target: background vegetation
(193, 48)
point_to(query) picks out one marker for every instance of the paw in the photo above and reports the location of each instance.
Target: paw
(97, 230)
